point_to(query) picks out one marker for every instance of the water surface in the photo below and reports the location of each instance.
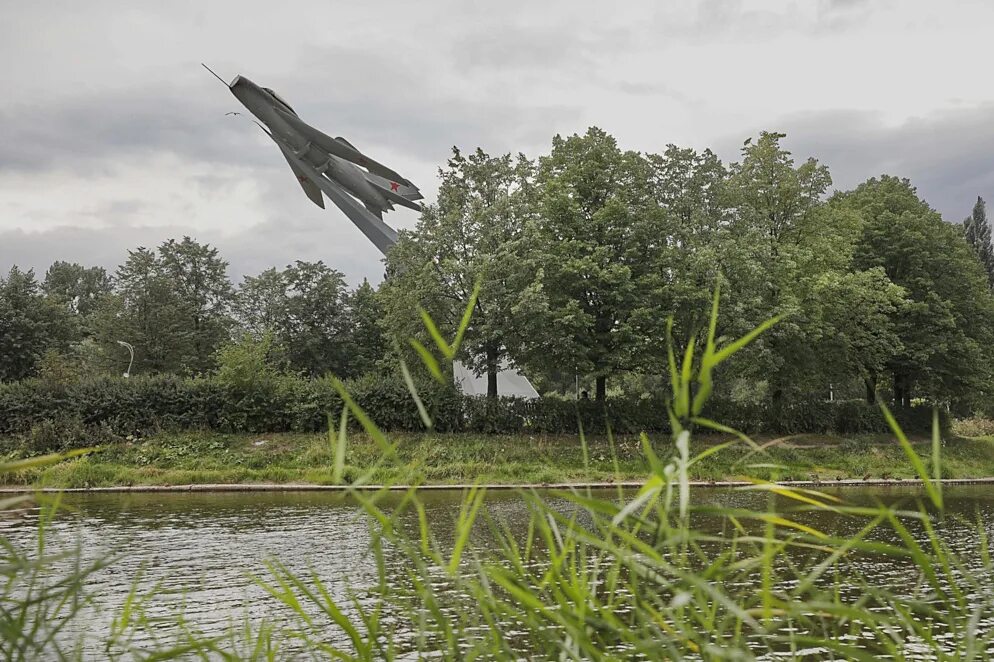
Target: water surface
(201, 549)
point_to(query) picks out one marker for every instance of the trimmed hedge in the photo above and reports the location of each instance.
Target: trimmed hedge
(144, 405)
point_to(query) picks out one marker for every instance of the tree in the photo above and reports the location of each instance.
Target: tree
(591, 255)
(977, 230)
(367, 341)
(691, 189)
(779, 242)
(77, 287)
(468, 237)
(251, 365)
(30, 325)
(304, 307)
(261, 302)
(858, 312)
(147, 312)
(316, 327)
(946, 328)
(199, 279)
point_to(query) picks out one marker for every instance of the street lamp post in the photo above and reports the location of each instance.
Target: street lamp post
(131, 351)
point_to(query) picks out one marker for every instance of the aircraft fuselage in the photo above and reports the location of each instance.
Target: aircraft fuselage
(266, 107)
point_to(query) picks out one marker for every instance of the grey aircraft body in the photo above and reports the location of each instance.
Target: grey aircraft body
(356, 183)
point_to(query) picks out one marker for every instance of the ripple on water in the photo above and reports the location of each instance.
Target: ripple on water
(201, 549)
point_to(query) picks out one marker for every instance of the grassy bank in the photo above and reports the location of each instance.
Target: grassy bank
(206, 457)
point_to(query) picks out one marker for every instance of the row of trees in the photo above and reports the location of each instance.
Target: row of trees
(583, 255)
(586, 253)
(178, 308)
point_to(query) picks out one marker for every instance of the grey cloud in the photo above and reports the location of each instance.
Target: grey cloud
(949, 156)
(560, 47)
(717, 18)
(377, 98)
(117, 212)
(104, 247)
(344, 91)
(99, 84)
(272, 244)
(842, 15)
(430, 127)
(653, 88)
(294, 229)
(281, 242)
(723, 19)
(844, 5)
(89, 132)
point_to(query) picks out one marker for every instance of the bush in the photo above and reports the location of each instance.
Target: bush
(52, 436)
(280, 402)
(973, 427)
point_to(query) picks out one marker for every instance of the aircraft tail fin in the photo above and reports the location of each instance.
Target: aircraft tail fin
(402, 192)
(394, 196)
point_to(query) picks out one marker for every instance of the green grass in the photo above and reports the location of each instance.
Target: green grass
(208, 457)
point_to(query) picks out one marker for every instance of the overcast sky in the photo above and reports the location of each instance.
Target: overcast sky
(112, 135)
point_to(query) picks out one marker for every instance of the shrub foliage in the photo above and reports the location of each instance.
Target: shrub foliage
(98, 408)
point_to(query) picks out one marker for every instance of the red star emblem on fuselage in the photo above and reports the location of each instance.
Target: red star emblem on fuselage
(394, 186)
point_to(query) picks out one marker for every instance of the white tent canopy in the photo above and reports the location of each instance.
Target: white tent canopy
(510, 382)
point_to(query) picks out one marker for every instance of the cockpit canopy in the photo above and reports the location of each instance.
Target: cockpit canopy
(280, 100)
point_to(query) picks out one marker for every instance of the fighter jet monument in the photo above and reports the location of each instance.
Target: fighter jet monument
(358, 185)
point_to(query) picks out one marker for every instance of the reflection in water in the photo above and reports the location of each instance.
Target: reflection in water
(201, 548)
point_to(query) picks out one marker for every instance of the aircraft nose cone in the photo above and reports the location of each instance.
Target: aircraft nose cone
(236, 81)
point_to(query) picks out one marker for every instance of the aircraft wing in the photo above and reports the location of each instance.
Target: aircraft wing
(382, 235)
(312, 190)
(340, 148)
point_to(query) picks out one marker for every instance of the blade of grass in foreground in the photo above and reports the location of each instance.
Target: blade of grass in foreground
(467, 515)
(932, 488)
(412, 389)
(338, 469)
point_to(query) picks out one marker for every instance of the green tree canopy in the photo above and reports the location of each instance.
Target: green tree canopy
(470, 235)
(304, 307)
(30, 325)
(946, 328)
(367, 340)
(691, 190)
(147, 312)
(199, 279)
(858, 313)
(780, 240)
(592, 260)
(79, 288)
(172, 305)
(977, 230)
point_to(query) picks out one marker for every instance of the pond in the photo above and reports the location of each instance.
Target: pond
(201, 549)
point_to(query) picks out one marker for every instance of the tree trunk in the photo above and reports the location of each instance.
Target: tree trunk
(493, 366)
(871, 389)
(902, 390)
(601, 388)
